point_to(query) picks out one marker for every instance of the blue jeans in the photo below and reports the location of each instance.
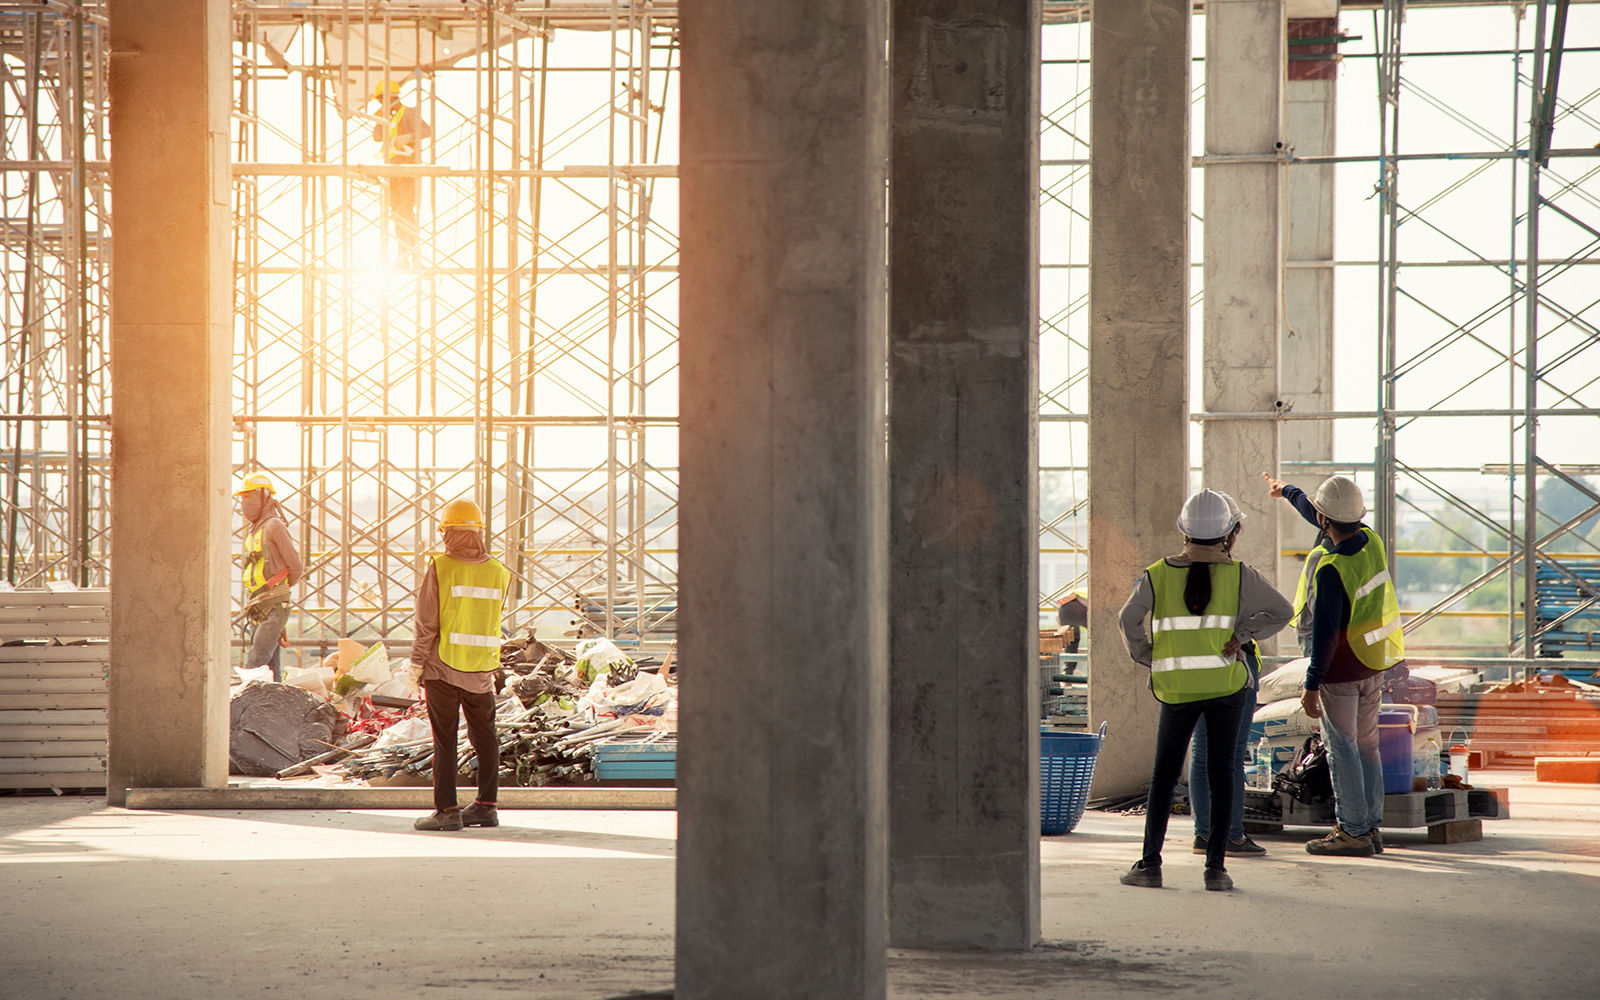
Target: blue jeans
(1350, 729)
(1200, 790)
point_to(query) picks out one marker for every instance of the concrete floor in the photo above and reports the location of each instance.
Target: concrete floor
(111, 903)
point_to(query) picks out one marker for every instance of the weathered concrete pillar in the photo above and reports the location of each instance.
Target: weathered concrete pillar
(963, 622)
(1138, 347)
(171, 360)
(1307, 368)
(782, 773)
(1243, 308)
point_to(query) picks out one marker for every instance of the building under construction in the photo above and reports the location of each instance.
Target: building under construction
(634, 295)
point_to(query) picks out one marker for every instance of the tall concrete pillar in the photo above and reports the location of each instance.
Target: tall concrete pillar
(1307, 369)
(1138, 347)
(782, 772)
(963, 594)
(171, 361)
(1243, 292)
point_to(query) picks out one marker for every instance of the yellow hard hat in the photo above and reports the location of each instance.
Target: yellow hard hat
(383, 86)
(254, 481)
(461, 514)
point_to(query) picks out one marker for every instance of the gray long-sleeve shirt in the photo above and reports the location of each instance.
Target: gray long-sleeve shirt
(1263, 612)
(279, 548)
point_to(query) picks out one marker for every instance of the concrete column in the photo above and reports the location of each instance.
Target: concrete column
(963, 632)
(1138, 347)
(1244, 262)
(1307, 369)
(171, 361)
(782, 772)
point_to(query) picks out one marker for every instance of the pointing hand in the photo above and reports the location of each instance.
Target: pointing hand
(1274, 485)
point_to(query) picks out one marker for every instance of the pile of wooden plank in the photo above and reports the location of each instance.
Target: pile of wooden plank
(53, 694)
(1515, 726)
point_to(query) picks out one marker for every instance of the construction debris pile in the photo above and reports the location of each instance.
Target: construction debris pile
(554, 707)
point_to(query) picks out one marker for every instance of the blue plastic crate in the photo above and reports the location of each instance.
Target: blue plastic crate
(636, 761)
(1066, 770)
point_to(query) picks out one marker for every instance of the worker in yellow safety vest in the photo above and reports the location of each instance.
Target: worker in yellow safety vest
(1348, 617)
(401, 133)
(457, 649)
(1201, 607)
(270, 566)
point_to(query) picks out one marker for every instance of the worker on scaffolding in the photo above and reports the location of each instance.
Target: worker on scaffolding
(271, 567)
(401, 134)
(456, 647)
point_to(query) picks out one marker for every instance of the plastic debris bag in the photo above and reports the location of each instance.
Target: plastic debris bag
(404, 731)
(248, 674)
(598, 656)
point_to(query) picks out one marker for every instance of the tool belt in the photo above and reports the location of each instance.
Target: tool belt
(264, 601)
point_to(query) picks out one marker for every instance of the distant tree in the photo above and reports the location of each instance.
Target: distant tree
(1559, 500)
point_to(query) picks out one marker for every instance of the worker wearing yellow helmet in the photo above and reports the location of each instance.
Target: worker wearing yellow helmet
(401, 134)
(269, 568)
(456, 646)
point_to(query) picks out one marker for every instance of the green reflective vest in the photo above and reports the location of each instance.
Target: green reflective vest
(1186, 663)
(1374, 634)
(470, 596)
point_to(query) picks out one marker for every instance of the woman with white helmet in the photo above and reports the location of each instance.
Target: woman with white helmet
(1239, 843)
(1201, 606)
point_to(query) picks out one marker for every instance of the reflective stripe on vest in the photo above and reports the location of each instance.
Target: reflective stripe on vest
(1374, 634)
(470, 598)
(1187, 662)
(394, 133)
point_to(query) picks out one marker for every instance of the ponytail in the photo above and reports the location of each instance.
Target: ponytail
(1197, 588)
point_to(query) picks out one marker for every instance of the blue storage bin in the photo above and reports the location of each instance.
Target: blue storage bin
(1394, 746)
(1066, 770)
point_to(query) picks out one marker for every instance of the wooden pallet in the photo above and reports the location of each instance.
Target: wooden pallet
(53, 688)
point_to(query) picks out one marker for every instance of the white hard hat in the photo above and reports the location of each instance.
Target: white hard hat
(1233, 507)
(1206, 515)
(1339, 499)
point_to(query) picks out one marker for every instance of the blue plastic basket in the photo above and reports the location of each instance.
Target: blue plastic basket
(1066, 769)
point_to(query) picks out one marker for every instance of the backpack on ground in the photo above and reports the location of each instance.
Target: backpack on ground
(1308, 778)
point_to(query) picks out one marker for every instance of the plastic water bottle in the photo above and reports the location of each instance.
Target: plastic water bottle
(1431, 763)
(1263, 764)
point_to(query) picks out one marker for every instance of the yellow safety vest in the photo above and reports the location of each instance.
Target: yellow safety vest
(394, 133)
(470, 598)
(1187, 663)
(1374, 633)
(254, 571)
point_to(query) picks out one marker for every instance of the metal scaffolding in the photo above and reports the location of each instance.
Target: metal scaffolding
(525, 358)
(55, 262)
(1487, 361)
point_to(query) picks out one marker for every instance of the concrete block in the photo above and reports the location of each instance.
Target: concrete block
(1412, 809)
(1570, 770)
(1489, 803)
(1460, 832)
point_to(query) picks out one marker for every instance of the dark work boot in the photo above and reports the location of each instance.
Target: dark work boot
(480, 814)
(447, 819)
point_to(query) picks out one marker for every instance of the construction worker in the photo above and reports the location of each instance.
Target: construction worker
(1348, 617)
(401, 135)
(1202, 607)
(271, 567)
(1240, 845)
(457, 649)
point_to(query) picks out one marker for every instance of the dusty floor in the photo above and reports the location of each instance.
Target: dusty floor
(111, 903)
